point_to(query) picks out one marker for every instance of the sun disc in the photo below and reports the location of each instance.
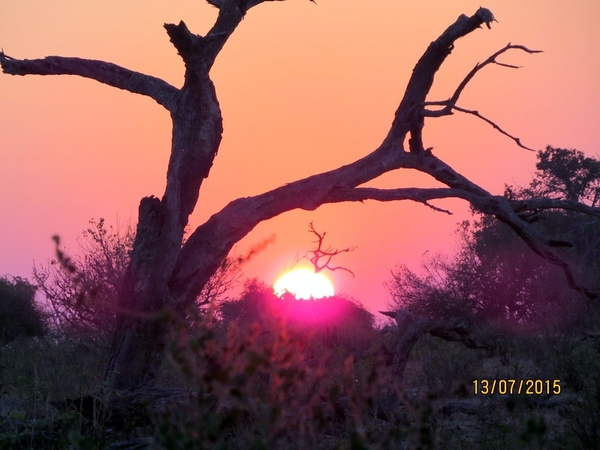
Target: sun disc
(304, 284)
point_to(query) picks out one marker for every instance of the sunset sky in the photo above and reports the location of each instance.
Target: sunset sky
(303, 88)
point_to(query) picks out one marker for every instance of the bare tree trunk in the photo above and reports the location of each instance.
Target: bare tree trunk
(142, 326)
(140, 333)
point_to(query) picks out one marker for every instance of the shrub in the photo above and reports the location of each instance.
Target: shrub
(19, 314)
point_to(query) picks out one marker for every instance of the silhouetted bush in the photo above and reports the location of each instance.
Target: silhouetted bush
(19, 314)
(81, 291)
(332, 320)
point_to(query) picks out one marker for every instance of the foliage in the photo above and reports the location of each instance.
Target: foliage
(35, 375)
(19, 313)
(495, 278)
(257, 388)
(509, 286)
(248, 388)
(565, 174)
(82, 291)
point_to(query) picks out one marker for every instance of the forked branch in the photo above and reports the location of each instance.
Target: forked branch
(409, 115)
(231, 13)
(327, 254)
(450, 104)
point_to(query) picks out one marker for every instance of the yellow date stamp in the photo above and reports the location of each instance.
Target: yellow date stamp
(508, 386)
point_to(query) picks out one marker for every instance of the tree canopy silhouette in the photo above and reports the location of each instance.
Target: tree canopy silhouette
(494, 278)
(19, 313)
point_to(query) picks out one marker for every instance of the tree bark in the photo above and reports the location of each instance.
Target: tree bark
(141, 331)
(166, 275)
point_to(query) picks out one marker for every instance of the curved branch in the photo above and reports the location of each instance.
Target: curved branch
(212, 241)
(104, 72)
(231, 13)
(230, 16)
(504, 210)
(447, 111)
(490, 60)
(409, 328)
(409, 116)
(200, 52)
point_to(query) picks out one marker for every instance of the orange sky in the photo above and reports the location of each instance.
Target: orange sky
(303, 88)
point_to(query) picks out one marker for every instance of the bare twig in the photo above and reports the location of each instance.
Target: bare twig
(436, 208)
(450, 104)
(495, 125)
(327, 254)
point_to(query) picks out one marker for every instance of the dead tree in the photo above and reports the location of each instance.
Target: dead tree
(167, 274)
(322, 257)
(409, 330)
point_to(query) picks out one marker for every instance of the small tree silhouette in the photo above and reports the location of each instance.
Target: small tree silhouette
(19, 314)
(322, 257)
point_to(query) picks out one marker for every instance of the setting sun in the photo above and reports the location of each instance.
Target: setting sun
(304, 284)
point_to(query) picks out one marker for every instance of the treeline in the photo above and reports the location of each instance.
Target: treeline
(495, 279)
